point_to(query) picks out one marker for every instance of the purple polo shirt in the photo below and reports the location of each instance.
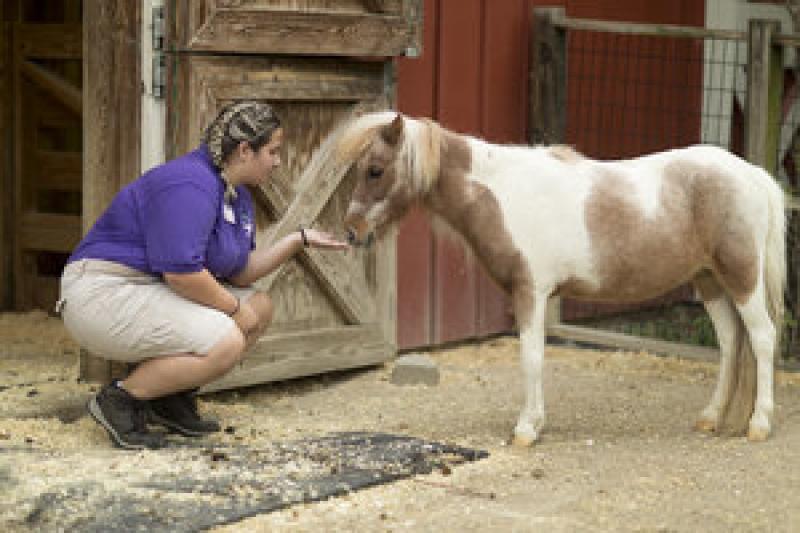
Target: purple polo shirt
(174, 219)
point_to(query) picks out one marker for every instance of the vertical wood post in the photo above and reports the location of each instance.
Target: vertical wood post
(6, 181)
(547, 103)
(764, 81)
(548, 77)
(111, 117)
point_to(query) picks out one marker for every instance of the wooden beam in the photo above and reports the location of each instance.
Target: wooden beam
(757, 113)
(241, 29)
(375, 6)
(112, 101)
(59, 88)
(631, 343)
(41, 42)
(548, 75)
(60, 170)
(343, 279)
(111, 106)
(652, 30)
(304, 353)
(49, 232)
(6, 171)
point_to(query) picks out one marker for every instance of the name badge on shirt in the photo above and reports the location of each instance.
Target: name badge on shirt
(228, 214)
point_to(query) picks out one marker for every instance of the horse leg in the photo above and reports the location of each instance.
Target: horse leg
(723, 316)
(762, 334)
(532, 335)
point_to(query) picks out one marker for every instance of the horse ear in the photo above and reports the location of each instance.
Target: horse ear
(393, 132)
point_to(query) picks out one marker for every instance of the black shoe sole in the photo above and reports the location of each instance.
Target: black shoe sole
(97, 414)
(169, 424)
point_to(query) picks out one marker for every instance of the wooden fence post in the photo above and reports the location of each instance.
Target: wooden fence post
(548, 77)
(764, 88)
(547, 102)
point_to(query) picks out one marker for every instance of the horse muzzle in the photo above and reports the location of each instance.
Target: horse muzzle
(358, 231)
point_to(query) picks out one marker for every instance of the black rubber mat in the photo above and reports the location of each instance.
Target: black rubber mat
(196, 488)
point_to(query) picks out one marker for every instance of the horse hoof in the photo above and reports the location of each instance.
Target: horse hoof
(757, 434)
(705, 426)
(522, 442)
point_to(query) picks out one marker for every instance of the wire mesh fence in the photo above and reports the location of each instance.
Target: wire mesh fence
(630, 94)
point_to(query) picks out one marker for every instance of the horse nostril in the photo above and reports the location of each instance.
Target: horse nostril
(351, 236)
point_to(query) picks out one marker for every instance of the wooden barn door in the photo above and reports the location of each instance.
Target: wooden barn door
(47, 144)
(333, 310)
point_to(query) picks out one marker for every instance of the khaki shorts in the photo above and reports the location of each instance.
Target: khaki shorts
(123, 314)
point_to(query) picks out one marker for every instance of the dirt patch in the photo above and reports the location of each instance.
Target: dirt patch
(617, 453)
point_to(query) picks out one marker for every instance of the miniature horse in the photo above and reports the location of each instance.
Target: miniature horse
(548, 221)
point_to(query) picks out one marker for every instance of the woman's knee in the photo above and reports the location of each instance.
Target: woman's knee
(228, 350)
(262, 304)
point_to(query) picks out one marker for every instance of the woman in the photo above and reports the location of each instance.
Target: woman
(163, 279)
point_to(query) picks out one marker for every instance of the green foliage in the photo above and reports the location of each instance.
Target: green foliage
(684, 323)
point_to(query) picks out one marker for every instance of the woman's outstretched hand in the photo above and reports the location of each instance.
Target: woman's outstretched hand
(326, 241)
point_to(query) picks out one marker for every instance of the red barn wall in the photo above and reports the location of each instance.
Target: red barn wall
(472, 77)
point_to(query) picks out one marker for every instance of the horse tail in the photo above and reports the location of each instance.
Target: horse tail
(775, 256)
(736, 416)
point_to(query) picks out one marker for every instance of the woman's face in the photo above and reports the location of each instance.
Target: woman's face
(267, 158)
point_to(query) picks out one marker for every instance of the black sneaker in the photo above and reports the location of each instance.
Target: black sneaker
(178, 412)
(123, 416)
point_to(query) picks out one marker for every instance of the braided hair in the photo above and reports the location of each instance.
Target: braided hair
(248, 120)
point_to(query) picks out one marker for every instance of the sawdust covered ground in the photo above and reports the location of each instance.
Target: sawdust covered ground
(617, 453)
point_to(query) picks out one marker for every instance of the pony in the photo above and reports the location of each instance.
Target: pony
(547, 220)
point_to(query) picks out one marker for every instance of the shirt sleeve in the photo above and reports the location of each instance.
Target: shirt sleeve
(177, 225)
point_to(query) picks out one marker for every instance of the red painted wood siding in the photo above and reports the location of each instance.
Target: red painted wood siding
(472, 77)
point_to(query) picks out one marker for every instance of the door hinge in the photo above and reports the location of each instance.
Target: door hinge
(159, 81)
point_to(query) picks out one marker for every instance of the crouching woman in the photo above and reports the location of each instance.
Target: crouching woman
(164, 277)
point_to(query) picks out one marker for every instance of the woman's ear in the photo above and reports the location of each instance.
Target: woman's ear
(244, 150)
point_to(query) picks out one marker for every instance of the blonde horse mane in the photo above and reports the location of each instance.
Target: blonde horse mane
(419, 156)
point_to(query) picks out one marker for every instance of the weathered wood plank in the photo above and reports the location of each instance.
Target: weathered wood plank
(654, 30)
(631, 343)
(112, 101)
(41, 42)
(6, 180)
(344, 282)
(56, 86)
(377, 28)
(60, 170)
(343, 279)
(276, 358)
(49, 232)
(202, 84)
(112, 113)
(758, 89)
(548, 75)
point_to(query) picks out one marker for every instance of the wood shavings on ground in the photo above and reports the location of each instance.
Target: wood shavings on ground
(617, 447)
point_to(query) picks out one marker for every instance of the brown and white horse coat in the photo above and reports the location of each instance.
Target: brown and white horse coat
(548, 221)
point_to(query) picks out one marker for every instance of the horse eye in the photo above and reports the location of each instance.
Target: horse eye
(374, 173)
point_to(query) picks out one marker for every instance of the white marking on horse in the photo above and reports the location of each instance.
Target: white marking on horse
(544, 220)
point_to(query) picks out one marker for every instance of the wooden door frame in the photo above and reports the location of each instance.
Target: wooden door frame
(6, 174)
(112, 100)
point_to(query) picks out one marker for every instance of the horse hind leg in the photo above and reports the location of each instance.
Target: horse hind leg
(724, 318)
(763, 337)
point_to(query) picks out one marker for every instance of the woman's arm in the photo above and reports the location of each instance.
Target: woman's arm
(203, 288)
(262, 262)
